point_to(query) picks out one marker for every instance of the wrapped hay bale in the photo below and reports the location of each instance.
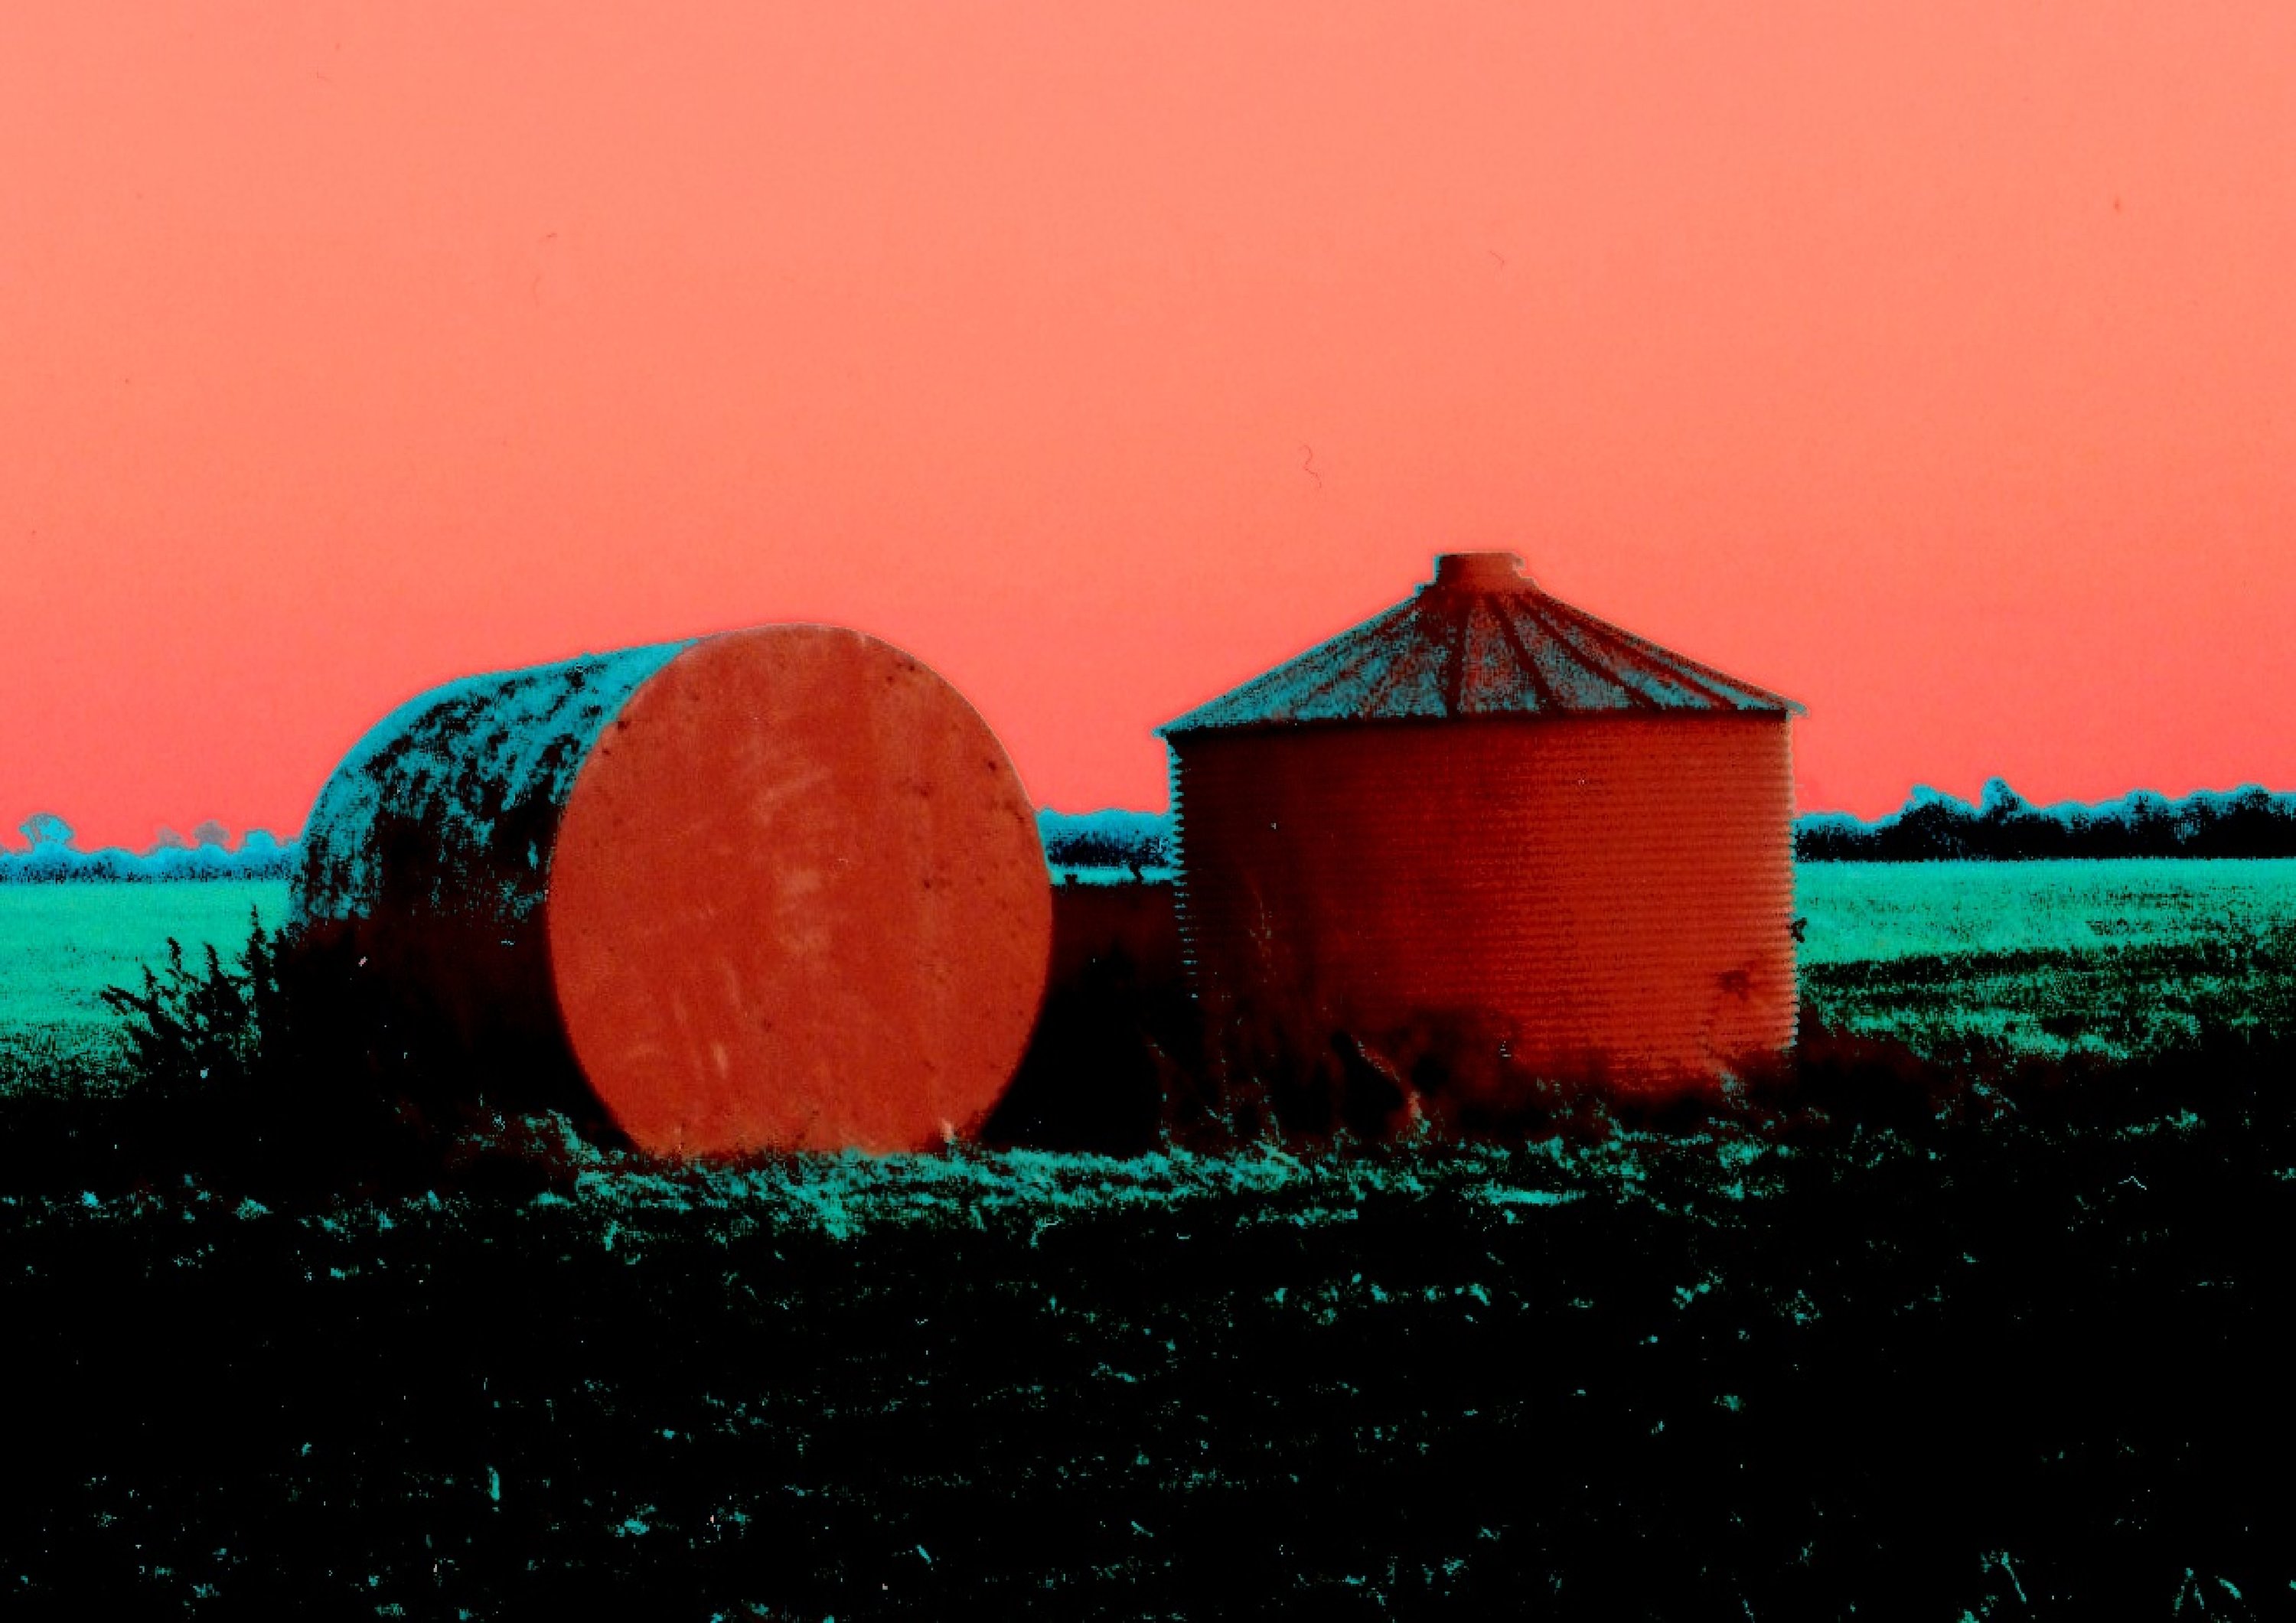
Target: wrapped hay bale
(777, 888)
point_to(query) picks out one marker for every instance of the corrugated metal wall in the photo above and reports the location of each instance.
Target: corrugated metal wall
(1609, 895)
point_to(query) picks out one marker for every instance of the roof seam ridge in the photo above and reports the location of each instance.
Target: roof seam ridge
(1558, 624)
(1348, 663)
(1713, 681)
(1387, 679)
(1454, 679)
(1707, 672)
(1548, 699)
(1267, 682)
(1652, 660)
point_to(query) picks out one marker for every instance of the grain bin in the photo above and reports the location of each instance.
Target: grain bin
(1485, 825)
(779, 888)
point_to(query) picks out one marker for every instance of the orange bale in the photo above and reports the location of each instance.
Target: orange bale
(779, 889)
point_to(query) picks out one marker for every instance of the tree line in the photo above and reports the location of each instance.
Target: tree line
(208, 854)
(2000, 825)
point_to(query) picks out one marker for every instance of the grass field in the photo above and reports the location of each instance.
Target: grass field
(2047, 957)
(1869, 910)
(1997, 1339)
(63, 944)
(2029, 1372)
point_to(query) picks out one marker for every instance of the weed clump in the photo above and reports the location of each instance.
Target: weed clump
(283, 1069)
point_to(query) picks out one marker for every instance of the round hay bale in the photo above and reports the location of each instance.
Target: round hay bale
(778, 888)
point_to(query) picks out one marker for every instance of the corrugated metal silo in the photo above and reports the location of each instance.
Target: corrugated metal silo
(1486, 824)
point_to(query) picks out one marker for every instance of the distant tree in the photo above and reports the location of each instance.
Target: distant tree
(45, 828)
(1999, 803)
(1931, 826)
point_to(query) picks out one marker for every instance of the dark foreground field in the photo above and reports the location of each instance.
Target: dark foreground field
(1885, 1344)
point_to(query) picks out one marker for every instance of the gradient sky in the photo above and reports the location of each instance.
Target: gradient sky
(1937, 368)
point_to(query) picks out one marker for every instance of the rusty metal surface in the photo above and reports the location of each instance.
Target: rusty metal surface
(1481, 639)
(1599, 898)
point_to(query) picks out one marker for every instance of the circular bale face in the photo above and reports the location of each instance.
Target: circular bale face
(797, 901)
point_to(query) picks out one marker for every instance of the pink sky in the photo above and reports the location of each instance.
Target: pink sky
(1938, 370)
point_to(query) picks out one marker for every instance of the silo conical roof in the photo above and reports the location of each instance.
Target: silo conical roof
(1479, 639)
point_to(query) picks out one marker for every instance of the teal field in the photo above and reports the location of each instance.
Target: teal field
(1871, 911)
(63, 944)
(2113, 957)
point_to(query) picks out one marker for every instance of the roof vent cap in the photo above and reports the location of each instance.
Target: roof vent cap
(1481, 572)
